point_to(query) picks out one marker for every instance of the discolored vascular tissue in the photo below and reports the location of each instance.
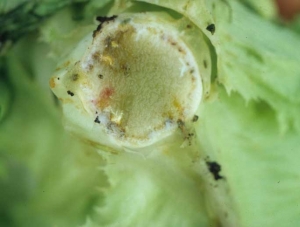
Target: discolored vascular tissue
(138, 81)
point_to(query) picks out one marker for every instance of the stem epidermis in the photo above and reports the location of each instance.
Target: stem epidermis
(137, 79)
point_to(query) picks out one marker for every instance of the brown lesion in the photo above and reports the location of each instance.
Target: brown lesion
(121, 130)
(64, 65)
(96, 56)
(181, 50)
(52, 82)
(125, 68)
(74, 77)
(187, 134)
(116, 53)
(105, 97)
(179, 108)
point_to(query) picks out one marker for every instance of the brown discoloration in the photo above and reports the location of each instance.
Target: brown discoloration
(96, 56)
(116, 52)
(125, 68)
(66, 64)
(75, 77)
(107, 41)
(193, 80)
(52, 83)
(181, 50)
(175, 44)
(177, 105)
(189, 26)
(107, 93)
(181, 124)
(90, 67)
(105, 97)
(205, 64)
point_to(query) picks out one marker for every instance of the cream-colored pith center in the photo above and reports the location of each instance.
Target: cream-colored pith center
(141, 81)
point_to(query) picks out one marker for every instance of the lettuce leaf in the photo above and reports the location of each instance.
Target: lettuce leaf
(239, 170)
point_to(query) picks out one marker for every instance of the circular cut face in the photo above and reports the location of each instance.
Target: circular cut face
(138, 80)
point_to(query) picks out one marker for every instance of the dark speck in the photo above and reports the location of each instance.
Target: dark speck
(188, 26)
(211, 28)
(205, 64)
(70, 93)
(100, 76)
(215, 169)
(97, 120)
(195, 118)
(75, 77)
(180, 123)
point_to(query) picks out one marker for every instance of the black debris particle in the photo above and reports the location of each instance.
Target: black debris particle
(97, 120)
(58, 78)
(215, 169)
(102, 20)
(195, 118)
(70, 93)
(191, 135)
(189, 138)
(189, 26)
(211, 28)
(100, 76)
